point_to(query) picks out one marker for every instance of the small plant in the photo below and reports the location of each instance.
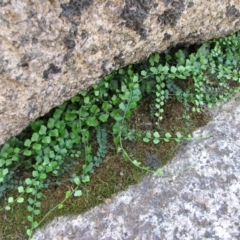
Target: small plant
(79, 130)
(155, 137)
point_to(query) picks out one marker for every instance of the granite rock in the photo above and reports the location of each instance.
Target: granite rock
(50, 50)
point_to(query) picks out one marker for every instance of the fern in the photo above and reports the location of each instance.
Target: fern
(102, 149)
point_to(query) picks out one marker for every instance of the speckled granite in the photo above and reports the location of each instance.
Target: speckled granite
(50, 50)
(200, 201)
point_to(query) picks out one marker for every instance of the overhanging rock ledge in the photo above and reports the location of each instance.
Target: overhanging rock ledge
(51, 49)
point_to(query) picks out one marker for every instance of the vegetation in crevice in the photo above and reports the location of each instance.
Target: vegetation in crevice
(60, 151)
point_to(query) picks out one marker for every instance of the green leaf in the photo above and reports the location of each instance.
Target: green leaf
(165, 69)
(29, 231)
(87, 168)
(119, 149)
(27, 143)
(157, 106)
(30, 201)
(5, 154)
(60, 206)
(125, 156)
(51, 123)
(86, 100)
(168, 135)
(29, 208)
(35, 173)
(104, 117)
(89, 158)
(43, 130)
(8, 162)
(20, 189)
(15, 158)
(7, 207)
(29, 190)
(117, 128)
(94, 109)
(30, 218)
(39, 195)
(122, 106)
(63, 151)
(69, 116)
(136, 163)
(51, 154)
(58, 112)
(77, 193)
(116, 115)
(77, 180)
(37, 204)
(68, 194)
(156, 134)
(106, 106)
(61, 125)
(151, 61)
(36, 125)
(181, 68)
(35, 225)
(173, 69)
(20, 199)
(2, 162)
(46, 139)
(75, 99)
(16, 150)
(179, 135)
(159, 172)
(146, 140)
(96, 93)
(86, 179)
(92, 122)
(27, 152)
(83, 93)
(132, 105)
(56, 148)
(36, 212)
(69, 143)
(10, 200)
(49, 169)
(143, 73)
(156, 57)
(53, 133)
(37, 146)
(35, 183)
(148, 134)
(40, 168)
(135, 79)
(35, 137)
(116, 140)
(43, 176)
(28, 181)
(154, 70)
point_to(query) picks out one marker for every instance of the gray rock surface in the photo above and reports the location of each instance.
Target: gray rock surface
(199, 198)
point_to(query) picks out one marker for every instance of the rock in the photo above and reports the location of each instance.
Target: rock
(50, 50)
(199, 197)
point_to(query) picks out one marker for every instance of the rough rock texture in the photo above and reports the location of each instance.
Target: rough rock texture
(52, 49)
(198, 199)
